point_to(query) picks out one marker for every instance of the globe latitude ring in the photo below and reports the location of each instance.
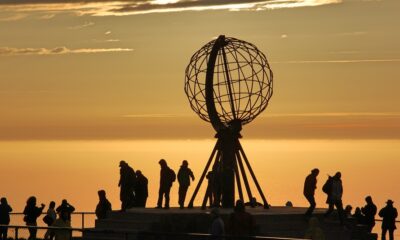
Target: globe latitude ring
(228, 80)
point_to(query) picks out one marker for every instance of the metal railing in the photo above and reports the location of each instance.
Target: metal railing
(82, 214)
(143, 234)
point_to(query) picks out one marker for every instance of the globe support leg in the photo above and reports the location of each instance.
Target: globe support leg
(203, 174)
(238, 183)
(244, 176)
(266, 206)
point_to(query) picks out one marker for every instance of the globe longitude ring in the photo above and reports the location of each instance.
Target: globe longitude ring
(228, 80)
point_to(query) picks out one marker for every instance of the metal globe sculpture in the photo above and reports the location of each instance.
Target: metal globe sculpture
(228, 83)
(242, 80)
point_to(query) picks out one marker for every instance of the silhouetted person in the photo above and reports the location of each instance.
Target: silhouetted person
(369, 212)
(389, 215)
(141, 189)
(49, 219)
(65, 206)
(127, 183)
(253, 203)
(5, 210)
(217, 185)
(62, 222)
(335, 196)
(167, 177)
(209, 191)
(359, 216)
(217, 226)
(241, 223)
(347, 211)
(314, 231)
(310, 184)
(104, 206)
(32, 212)
(184, 176)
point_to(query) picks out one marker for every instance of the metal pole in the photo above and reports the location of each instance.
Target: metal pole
(83, 220)
(16, 233)
(244, 176)
(204, 174)
(239, 184)
(253, 176)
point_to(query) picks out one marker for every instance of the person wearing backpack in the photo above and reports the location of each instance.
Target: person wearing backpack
(167, 177)
(334, 189)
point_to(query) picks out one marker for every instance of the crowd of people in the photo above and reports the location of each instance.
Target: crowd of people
(134, 192)
(333, 188)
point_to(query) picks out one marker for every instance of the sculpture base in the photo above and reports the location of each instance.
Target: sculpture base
(275, 222)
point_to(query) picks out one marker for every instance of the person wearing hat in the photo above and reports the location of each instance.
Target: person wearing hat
(184, 176)
(389, 215)
(310, 184)
(167, 177)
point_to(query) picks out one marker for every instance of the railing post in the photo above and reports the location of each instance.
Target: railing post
(16, 233)
(83, 220)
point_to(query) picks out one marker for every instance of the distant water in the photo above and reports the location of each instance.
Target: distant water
(75, 170)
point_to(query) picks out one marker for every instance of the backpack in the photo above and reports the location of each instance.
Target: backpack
(327, 187)
(172, 175)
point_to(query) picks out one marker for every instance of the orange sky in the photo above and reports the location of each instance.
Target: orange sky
(72, 70)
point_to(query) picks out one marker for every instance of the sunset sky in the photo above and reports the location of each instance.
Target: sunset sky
(115, 69)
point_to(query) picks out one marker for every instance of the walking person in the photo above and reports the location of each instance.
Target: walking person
(104, 206)
(32, 212)
(389, 215)
(369, 212)
(334, 189)
(126, 183)
(141, 189)
(167, 177)
(184, 176)
(5, 210)
(49, 219)
(310, 184)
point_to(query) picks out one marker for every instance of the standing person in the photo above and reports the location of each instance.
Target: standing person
(167, 177)
(62, 222)
(310, 184)
(335, 194)
(184, 176)
(32, 212)
(127, 184)
(141, 189)
(389, 215)
(241, 223)
(217, 229)
(369, 212)
(65, 206)
(104, 206)
(49, 219)
(5, 210)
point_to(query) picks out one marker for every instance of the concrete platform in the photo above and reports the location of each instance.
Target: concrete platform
(274, 222)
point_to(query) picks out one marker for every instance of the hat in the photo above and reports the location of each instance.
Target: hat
(389, 201)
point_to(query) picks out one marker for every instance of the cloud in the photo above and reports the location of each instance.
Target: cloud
(132, 7)
(47, 16)
(13, 17)
(84, 25)
(340, 61)
(7, 51)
